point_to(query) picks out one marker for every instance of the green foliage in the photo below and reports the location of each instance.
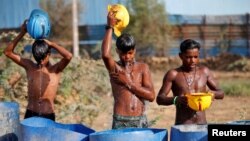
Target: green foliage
(236, 87)
(6, 37)
(152, 122)
(240, 65)
(60, 13)
(148, 23)
(79, 74)
(12, 78)
(87, 81)
(1, 51)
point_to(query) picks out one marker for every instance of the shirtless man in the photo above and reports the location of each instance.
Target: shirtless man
(189, 77)
(43, 77)
(130, 80)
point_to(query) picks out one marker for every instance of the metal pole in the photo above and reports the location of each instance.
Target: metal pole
(75, 29)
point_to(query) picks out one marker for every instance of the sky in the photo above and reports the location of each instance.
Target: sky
(208, 7)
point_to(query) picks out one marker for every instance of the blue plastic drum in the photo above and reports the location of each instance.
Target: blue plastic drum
(38, 25)
(191, 132)
(40, 129)
(130, 134)
(9, 122)
(240, 122)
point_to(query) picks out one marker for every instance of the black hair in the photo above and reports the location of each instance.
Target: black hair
(189, 44)
(40, 50)
(125, 42)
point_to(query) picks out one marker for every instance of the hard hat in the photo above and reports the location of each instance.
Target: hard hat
(199, 101)
(38, 25)
(121, 14)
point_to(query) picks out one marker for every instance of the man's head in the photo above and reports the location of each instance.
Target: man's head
(126, 47)
(41, 51)
(189, 53)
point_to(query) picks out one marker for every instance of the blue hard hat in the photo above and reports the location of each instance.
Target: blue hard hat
(38, 25)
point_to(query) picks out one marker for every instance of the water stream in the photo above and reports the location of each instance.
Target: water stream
(129, 73)
(40, 88)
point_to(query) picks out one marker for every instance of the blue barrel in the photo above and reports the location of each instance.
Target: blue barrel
(190, 132)
(41, 129)
(9, 122)
(239, 122)
(130, 134)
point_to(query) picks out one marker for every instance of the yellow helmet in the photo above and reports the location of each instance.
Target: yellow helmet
(199, 101)
(121, 15)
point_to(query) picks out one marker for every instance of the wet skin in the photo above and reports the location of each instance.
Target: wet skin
(188, 78)
(131, 87)
(130, 80)
(43, 79)
(42, 88)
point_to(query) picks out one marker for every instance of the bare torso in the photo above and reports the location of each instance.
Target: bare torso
(125, 102)
(43, 79)
(182, 85)
(42, 88)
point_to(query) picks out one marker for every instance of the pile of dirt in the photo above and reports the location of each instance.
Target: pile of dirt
(161, 63)
(223, 62)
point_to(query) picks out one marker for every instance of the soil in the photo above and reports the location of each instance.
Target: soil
(229, 109)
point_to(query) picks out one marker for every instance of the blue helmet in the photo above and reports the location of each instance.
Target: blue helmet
(38, 25)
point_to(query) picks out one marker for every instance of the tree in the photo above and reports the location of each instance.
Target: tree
(60, 13)
(149, 24)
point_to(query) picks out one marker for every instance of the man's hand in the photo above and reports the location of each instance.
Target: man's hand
(50, 44)
(24, 26)
(181, 100)
(121, 78)
(111, 20)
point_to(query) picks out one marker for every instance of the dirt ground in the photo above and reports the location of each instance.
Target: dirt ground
(221, 111)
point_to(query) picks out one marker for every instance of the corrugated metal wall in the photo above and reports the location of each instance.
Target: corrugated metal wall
(95, 11)
(197, 20)
(14, 12)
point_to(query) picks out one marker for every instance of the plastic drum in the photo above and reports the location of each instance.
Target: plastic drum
(239, 122)
(191, 132)
(9, 121)
(38, 25)
(130, 134)
(40, 129)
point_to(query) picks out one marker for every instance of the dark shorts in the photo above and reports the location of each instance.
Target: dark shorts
(30, 113)
(129, 121)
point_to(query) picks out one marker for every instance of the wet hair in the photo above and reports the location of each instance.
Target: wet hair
(40, 50)
(125, 42)
(189, 44)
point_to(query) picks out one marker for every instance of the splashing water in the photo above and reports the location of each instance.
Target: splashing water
(129, 73)
(40, 89)
(133, 103)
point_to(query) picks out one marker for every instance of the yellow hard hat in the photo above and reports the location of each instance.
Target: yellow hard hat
(199, 101)
(121, 15)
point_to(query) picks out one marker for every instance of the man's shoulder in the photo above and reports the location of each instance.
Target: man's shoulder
(173, 71)
(142, 65)
(28, 63)
(203, 68)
